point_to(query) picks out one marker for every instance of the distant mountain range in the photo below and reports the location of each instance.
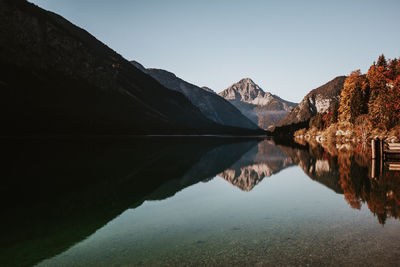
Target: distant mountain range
(210, 104)
(318, 100)
(261, 107)
(59, 79)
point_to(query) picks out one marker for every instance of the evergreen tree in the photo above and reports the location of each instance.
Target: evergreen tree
(382, 61)
(366, 92)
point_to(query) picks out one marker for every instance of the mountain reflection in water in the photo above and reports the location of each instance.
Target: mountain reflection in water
(57, 192)
(262, 160)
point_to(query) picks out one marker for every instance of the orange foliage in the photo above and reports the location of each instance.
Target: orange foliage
(375, 95)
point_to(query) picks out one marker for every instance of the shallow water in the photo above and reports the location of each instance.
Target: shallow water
(247, 202)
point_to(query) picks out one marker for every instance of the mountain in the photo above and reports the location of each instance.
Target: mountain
(208, 89)
(261, 107)
(58, 79)
(316, 101)
(210, 104)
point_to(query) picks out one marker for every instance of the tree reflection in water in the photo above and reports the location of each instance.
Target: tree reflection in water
(381, 194)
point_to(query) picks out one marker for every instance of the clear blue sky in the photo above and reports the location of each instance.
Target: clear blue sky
(286, 47)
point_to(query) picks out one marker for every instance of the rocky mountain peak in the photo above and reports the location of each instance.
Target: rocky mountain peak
(247, 81)
(260, 106)
(246, 90)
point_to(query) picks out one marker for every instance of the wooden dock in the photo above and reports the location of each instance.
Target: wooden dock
(394, 166)
(384, 151)
(384, 154)
(392, 150)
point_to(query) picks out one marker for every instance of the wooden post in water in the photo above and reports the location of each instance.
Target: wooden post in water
(376, 159)
(373, 169)
(373, 149)
(381, 157)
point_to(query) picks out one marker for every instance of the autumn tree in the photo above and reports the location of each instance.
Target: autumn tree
(384, 101)
(379, 97)
(392, 75)
(395, 101)
(393, 69)
(352, 103)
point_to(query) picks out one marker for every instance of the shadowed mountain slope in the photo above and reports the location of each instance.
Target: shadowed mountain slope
(210, 104)
(57, 78)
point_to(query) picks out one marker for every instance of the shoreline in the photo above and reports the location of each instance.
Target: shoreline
(62, 136)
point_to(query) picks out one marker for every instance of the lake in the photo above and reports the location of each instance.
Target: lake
(195, 201)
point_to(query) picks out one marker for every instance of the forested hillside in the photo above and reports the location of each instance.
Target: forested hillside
(369, 106)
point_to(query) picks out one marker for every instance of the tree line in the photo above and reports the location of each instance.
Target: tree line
(368, 102)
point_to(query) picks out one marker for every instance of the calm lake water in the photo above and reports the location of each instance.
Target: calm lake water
(195, 201)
